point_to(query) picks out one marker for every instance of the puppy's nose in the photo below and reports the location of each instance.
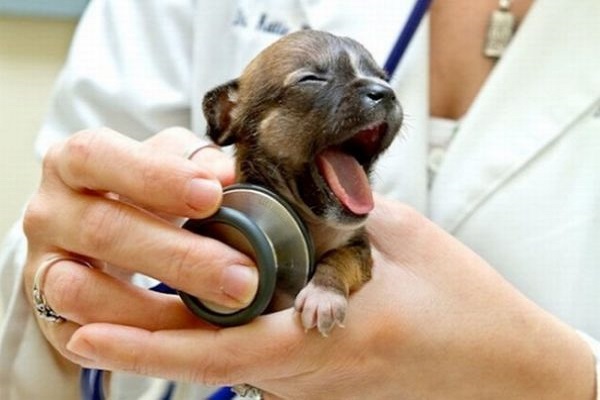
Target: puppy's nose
(374, 93)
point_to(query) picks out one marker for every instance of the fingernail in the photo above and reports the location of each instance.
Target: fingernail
(82, 348)
(240, 282)
(203, 194)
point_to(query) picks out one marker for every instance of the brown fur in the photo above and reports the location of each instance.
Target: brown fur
(308, 91)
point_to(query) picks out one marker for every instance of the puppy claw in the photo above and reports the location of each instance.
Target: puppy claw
(321, 308)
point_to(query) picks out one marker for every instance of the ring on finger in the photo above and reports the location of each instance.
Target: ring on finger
(42, 308)
(192, 151)
(248, 391)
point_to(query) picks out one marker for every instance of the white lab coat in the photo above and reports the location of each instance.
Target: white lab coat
(520, 183)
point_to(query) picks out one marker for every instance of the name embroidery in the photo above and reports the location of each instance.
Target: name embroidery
(264, 23)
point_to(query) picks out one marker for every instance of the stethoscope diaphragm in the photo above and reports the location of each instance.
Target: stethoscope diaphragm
(264, 226)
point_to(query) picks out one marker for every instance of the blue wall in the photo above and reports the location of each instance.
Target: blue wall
(43, 8)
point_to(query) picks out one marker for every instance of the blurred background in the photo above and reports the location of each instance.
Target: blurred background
(34, 40)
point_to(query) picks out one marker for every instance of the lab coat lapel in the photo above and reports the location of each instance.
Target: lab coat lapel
(521, 109)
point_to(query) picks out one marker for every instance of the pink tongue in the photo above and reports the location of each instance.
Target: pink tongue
(347, 179)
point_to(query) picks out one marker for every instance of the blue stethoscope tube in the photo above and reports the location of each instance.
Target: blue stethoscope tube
(91, 380)
(406, 35)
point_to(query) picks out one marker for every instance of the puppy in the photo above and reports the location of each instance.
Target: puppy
(309, 116)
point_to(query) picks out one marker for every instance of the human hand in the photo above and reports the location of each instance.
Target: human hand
(114, 202)
(435, 322)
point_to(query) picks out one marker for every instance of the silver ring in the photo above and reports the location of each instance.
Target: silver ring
(191, 152)
(248, 391)
(42, 307)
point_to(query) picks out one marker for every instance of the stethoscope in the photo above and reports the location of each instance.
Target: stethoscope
(263, 225)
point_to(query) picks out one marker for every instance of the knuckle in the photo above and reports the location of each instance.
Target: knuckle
(181, 259)
(77, 149)
(98, 224)
(36, 217)
(50, 160)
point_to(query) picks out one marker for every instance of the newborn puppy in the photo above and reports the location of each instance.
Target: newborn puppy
(309, 116)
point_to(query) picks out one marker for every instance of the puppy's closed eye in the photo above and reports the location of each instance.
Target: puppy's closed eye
(306, 78)
(312, 78)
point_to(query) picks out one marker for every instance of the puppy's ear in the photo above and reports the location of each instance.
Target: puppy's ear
(218, 105)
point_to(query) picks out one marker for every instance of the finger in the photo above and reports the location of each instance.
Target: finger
(87, 295)
(216, 161)
(103, 160)
(393, 227)
(208, 157)
(58, 335)
(210, 357)
(133, 239)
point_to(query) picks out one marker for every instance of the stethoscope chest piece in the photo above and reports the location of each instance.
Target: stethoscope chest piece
(262, 225)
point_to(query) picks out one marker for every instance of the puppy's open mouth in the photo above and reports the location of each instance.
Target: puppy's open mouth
(344, 168)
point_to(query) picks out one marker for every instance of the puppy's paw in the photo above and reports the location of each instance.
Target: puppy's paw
(321, 307)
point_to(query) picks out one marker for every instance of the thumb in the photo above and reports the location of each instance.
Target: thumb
(389, 224)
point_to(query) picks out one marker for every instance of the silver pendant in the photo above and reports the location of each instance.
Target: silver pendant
(500, 31)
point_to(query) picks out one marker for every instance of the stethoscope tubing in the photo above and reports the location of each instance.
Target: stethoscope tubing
(406, 36)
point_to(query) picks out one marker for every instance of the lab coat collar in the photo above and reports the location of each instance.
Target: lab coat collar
(521, 109)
